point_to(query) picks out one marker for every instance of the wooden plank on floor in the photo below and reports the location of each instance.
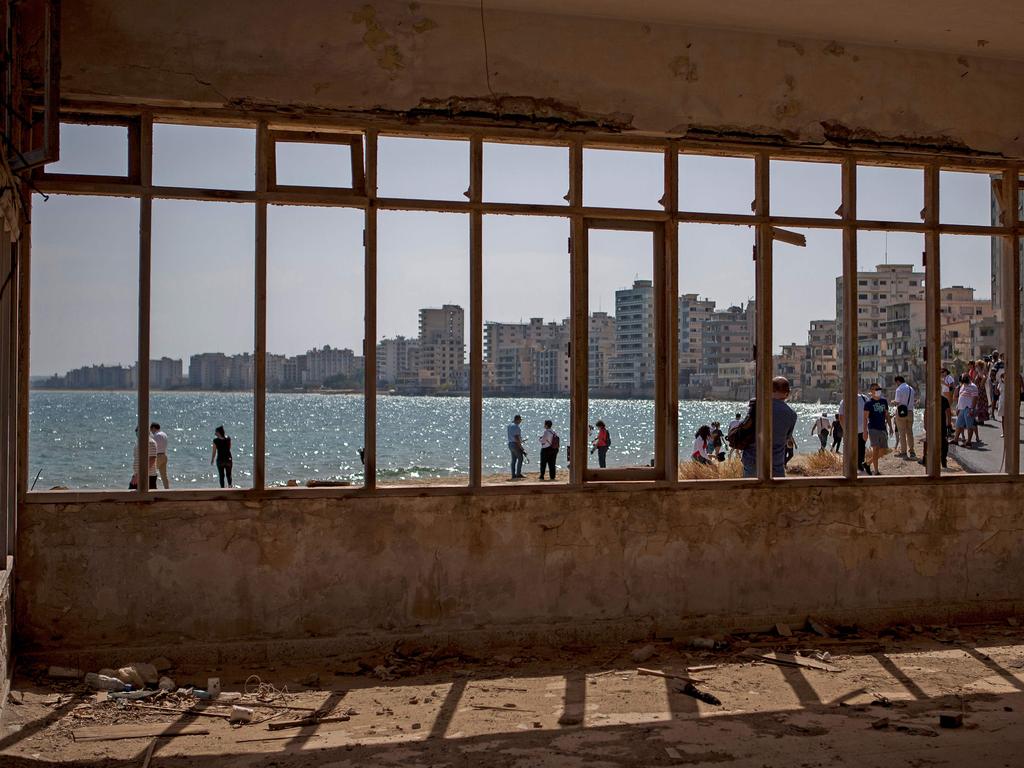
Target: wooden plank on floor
(144, 730)
(789, 660)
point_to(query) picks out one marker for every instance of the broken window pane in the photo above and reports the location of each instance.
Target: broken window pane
(526, 340)
(308, 164)
(422, 365)
(971, 330)
(623, 344)
(315, 365)
(807, 334)
(96, 150)
(716, 184)
(717, 329)
(614, 178)
(885, 193)
(84, 334)
(805, 188)
(203, 306)
(526, 173)
(204, 157)
(891, 337)
(427, 169)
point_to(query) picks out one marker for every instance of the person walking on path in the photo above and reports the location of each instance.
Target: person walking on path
(549, 443)
(783, 423)
(133, 484)
(906, 399)
(601, 444)
(161, 452)
(877, 426)
(837, 434)
(855, 425)
(222, 455)
(515, 447)
(820, 428)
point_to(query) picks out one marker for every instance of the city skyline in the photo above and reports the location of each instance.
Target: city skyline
(715, 345)
(85, 250)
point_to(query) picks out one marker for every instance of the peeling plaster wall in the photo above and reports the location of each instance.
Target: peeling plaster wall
(345, 56)
(611, 563)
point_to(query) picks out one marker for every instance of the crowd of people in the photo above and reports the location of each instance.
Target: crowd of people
(966, 403)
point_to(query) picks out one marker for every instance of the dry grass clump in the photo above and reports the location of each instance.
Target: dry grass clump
(728, 470)
(820, 464)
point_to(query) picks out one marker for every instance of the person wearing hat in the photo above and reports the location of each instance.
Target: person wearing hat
(515, 447)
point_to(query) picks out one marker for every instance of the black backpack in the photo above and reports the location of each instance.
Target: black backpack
(555, 442)
(744, 434)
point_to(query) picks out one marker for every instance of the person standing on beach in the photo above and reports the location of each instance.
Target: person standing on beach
(947, 424)
(783, 423)
(837, 434)
(222, 455)
(515, 447)
(601, 443)
(905, 398)
(161, 452)
(855, 423)
(548, 449)
(150, 463)
(820, 428)
(877, 426)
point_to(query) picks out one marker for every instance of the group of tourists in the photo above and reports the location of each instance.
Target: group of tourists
(156, 460)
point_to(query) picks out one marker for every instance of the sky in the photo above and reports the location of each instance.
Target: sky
(85, 249)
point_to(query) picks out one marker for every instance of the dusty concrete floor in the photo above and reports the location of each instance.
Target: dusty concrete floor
(519, 707)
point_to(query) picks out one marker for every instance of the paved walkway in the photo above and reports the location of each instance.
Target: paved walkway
(989, 456)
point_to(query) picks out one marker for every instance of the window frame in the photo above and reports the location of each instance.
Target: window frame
(139, 184)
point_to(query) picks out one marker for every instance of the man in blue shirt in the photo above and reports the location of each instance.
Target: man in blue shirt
(515, 447)
(783, 423)
(877, 425)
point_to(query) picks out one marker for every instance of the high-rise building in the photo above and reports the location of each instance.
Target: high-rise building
(601, 343)
(398, 362)
(442, 347)
(694, 314)
(633, 368)
(527, 357)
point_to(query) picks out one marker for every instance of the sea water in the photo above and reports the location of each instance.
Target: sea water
(84, 440)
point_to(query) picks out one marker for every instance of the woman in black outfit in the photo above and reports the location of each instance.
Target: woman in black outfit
(222, 454)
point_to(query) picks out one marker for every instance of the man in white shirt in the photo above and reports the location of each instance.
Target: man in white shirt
(820, 427)
(862, 401)
(906, 399)
(160, 438)
(150, 463)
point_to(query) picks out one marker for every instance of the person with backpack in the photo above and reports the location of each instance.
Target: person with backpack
(783, 423)
(549, 444)
(601, 443)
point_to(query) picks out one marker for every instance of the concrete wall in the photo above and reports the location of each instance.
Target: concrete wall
(599, 562)
(338, 56)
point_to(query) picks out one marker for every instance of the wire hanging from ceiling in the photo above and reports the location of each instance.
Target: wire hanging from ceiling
(487, 58)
